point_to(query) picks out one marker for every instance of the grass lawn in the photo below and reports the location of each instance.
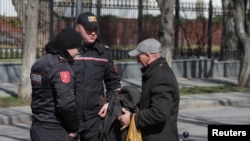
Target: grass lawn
(13, 101)
(211, 89)
(10, 60)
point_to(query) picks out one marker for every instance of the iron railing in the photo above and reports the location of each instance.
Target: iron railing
(119, 28)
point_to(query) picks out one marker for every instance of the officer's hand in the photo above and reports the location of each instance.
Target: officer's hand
(124, 119)
(73, 135)
(103, 110)
(118, 89)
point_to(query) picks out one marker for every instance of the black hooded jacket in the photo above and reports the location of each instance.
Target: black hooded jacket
(159, 104)
(95, 73)
(53, 100)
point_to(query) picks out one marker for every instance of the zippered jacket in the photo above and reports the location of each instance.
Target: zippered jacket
(53, 100)
(95, 75)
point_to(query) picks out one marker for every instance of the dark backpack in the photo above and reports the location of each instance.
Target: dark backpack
(128, 97)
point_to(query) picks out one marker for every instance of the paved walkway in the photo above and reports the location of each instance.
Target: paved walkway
(23, 114)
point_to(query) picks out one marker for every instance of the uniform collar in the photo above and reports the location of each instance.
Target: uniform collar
(95, 46)
(60, 58)
(148, 70)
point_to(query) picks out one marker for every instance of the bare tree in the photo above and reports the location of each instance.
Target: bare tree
(30, 44)
(241, 19)
(36, 34)
(44, 19)
(166, 27)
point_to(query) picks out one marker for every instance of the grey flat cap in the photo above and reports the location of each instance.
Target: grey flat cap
(150, 45)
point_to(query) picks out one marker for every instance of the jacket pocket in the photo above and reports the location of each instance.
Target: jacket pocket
(100, 63)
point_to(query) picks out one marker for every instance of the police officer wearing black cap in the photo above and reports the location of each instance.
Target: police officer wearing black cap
(54, 114)
(95, 74)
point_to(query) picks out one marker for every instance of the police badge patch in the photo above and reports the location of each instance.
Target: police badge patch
(65, 76)
(36, 78)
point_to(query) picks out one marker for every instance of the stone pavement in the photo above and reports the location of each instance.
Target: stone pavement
(22, 114)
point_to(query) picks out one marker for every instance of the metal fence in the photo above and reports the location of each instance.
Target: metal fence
(120, 27)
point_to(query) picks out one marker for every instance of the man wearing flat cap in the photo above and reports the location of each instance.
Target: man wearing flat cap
(53, 105)
(95, 75)
(159, 103)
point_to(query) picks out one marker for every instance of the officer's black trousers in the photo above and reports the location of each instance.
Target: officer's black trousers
(39, 132)
(90, 129)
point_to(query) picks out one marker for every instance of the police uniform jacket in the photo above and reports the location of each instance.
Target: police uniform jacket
(53, 101)
(94, 69)
(159, 103)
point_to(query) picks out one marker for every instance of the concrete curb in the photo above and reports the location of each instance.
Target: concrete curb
(15, 115)
(22, 114)
(214, 100)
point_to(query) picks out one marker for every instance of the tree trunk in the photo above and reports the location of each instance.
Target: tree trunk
(244, 76)
(229, 39)
(30, 45)
(166, 28)
(242, 32)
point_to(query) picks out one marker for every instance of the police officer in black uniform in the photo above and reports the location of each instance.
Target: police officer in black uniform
(54, 113)
(95, 74)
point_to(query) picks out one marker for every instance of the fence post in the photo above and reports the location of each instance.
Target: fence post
(20, 53)
(209, 41)
(51, 8)
(2, 51)
(140, 20)
(78, 7)
(185, 135)
(8, 53)
(72, 21)
(176, 34)
(13, 53)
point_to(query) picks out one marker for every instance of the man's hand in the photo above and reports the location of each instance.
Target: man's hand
(124, 119)
(118, 89)
(103, 110)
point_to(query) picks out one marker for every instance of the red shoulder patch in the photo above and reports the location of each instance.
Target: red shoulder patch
(65, 76)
